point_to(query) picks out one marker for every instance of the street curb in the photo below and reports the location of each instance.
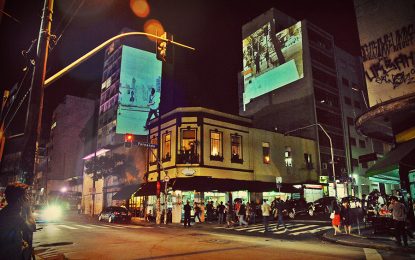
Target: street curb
(367, 245)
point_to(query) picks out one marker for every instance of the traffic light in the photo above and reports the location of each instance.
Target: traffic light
(164, 49)
(128, 140)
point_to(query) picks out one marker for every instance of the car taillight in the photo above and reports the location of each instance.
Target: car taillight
(116, 213)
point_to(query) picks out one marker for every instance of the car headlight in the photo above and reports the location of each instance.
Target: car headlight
(52, 212)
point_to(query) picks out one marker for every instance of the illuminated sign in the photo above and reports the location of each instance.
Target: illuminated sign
(271, 60)
(386, 32)
(139, 92)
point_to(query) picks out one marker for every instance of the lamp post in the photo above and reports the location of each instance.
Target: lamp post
(331, 149)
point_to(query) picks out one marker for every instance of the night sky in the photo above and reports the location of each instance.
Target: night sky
(206, 77)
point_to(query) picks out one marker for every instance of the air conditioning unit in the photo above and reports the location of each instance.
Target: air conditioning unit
(324, 166)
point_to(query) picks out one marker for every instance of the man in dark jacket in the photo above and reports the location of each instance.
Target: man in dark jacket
(399, 219)
(187, 211)
(16, 224)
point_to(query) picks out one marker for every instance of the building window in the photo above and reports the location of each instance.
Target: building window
(352, 141)
(345, 82)
(347, 101)
(166, 149)
(188, 147)
(357, 104)
(362, 143)
(308, 161)
(153, 151)
(236, 148)
(364, 165)
(355, 163)
(288, 157)
(216, 146)
(350, 121)
(266, 153)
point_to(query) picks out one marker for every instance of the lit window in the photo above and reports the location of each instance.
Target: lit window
(166, 146)
(308, 161)
(188, 140)
(288, 157)
(153, 151)
(266, 153)
(236, 148)
(215, 145)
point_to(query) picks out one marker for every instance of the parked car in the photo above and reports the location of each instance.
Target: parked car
(296, 207)
(115, 214)
(324, 205)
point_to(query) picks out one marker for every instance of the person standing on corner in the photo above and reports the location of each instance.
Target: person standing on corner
(187, 214)
(266, 212)
(221, 212)
(345, 215)
(241, 214)
(399, 220)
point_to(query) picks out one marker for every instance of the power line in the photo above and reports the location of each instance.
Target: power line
(10, 16)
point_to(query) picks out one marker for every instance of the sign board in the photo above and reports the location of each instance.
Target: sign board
(324, 179)
(188, 171)
(278, 179)
(148, 145)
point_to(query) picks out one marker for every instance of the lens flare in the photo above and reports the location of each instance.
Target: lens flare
(153, 26)
(140, 8)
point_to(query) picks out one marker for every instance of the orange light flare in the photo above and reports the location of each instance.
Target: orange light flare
(153, 26)
(140, 8)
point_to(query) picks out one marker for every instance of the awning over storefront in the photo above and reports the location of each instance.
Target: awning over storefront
(389, 165)
(204, 183)
(126, 192)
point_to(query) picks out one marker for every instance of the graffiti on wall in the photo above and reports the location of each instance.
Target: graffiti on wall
(389, 63)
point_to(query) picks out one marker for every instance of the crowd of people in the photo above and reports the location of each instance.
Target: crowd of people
(236, 213)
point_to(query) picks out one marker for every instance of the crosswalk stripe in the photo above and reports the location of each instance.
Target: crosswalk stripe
(262, 227)
(300, 228)
(98, 226)
(68, 227)
(114, 226)
(82, 226)
(319, 229)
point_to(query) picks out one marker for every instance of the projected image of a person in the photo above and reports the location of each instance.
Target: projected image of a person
(153, 104)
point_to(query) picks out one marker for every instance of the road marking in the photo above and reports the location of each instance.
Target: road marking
(99, 226)
(319, 229)
(372, 254)
(68, 227)
(114, 226)
(299, 228)
(82, 226)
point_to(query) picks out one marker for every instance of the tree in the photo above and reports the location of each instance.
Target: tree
(101, 167)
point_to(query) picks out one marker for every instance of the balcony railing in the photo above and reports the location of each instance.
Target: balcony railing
(187, 157)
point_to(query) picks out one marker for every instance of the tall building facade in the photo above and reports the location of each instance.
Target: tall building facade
(66, 147)
(289, 68)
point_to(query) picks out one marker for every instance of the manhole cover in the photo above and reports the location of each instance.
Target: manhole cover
(56, 244)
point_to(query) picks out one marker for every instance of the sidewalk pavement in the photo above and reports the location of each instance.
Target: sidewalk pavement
(369, 240)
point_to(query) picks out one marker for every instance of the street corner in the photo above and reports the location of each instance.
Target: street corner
(366, 241)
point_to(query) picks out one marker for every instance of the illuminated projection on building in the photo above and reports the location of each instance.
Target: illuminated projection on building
(139, 93)
(271, 60)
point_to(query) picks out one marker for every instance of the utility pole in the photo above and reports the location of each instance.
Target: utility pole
(35, 107)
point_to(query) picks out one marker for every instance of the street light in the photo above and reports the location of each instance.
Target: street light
(331, 149)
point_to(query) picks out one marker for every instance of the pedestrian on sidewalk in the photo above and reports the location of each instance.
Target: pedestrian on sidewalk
(229, 215)
(221, 212)
(266, 211)
(399, 219)
(241, 215)
(335, 218)
(280, 207)
(197, 212)
(346, 217)
(187, 209)
(79, 208)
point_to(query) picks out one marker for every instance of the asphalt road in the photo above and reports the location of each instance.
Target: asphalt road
(94, 240)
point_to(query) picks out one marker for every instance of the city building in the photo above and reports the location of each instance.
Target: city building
(206, 155)
(130, 72)
(353, 99)
(66, 147)
(11, 162)
(388, 52)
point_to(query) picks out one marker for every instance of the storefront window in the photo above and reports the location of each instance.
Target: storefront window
(166, 149)
(216, 146)
(236, 148)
